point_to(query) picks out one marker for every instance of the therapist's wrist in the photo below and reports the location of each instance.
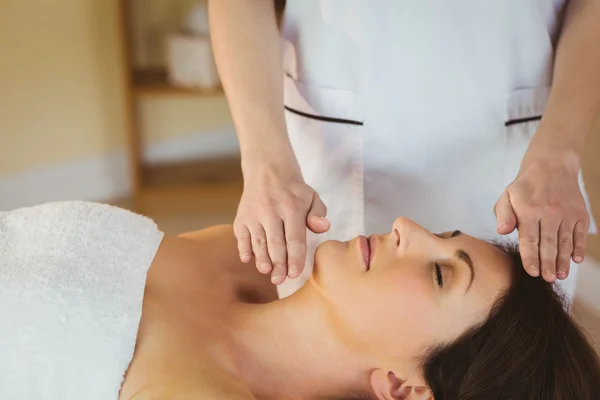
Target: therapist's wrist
(265, 163)
(269, 173)
(551, 157)
(559, 141)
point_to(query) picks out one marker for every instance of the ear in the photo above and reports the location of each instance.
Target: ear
(387, 386)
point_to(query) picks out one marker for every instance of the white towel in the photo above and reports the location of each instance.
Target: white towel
(72, 278)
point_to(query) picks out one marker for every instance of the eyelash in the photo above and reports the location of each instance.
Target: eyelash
(438, 275)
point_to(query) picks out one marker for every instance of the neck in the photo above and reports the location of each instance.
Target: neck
(287, 349)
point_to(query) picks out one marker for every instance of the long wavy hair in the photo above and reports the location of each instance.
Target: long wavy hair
(529, 348)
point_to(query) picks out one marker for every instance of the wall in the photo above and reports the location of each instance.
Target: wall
(62, 94)
(60, 89)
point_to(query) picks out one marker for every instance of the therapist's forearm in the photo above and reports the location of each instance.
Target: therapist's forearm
(246, 44)
(575, 96)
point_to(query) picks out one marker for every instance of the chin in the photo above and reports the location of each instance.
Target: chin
(327, 255)
(332, 260)
(329, 250)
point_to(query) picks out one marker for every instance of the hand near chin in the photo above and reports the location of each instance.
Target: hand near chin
(544, 203)
(275, 209)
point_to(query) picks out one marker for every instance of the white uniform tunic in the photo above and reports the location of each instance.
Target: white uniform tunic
(415, 108)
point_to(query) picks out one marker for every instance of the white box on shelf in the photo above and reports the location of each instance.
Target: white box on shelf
(190, 62)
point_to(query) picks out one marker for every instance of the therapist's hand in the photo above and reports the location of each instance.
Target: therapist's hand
(544, 203)
(275, 209)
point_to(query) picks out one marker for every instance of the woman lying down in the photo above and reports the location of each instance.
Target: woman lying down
(96, 303)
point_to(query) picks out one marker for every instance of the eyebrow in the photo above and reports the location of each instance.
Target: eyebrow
(466, 258)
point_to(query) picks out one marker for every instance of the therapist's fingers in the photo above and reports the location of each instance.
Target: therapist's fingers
(565, 250)
(276, 248)
(316, 220)
(505, 215)
(549, 227)
(580, 239)
(295, 237)
(259, 247)
(244, 242)
(529, 241)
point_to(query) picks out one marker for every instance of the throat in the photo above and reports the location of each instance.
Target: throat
(286, 350)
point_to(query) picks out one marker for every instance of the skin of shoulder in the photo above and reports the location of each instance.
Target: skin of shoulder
(216, 391)
(213, 384)
(219, 238)
(214, 243)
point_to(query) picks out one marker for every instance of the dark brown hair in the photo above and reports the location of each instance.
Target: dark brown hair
(528, 349)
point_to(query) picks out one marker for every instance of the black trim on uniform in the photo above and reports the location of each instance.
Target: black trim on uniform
(522, 120)
(324, 119)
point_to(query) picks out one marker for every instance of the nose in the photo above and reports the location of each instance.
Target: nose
(407, 233)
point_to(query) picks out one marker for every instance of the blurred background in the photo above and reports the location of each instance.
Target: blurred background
(119, 101)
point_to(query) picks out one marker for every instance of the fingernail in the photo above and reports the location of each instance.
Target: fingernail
(561, 275)
(578, 259)
(501, 225)
(293, 271)
(246, 257)
(277, 279)
(534, 270)
(550, 273)
(265, 267)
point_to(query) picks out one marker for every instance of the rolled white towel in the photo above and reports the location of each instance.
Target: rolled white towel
(72, 279)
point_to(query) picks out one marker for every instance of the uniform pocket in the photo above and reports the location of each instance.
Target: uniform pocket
(336, 106)
(326, 133)
(524, 110)
(526, 105)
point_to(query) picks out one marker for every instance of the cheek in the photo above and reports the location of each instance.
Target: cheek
(393, 315)
(407, 287)
(407, 292)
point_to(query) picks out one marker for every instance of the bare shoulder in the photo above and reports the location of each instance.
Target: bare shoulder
(211, 233)
(217, 243)
(198, 394)
(220, 388)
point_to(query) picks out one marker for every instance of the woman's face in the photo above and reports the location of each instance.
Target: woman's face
(418, 289)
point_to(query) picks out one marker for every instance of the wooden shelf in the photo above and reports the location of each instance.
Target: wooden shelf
(173, 181)
(154, 82)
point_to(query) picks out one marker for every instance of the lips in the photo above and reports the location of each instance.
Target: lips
(365, 250)
(372, 247)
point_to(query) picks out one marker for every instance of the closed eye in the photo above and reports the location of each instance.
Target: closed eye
(438, 275)
(460, 255)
